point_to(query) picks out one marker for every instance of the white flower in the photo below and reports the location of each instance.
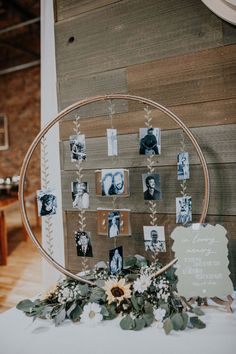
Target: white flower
(66, 294)
(91, 314)
(142, 283)
(159, 314)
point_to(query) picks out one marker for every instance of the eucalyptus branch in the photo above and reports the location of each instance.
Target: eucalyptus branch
(45, 177)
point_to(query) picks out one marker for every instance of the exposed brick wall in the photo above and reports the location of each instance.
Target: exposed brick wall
(20, 101)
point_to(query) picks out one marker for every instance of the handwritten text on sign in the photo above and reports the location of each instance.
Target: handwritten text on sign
(202, 267)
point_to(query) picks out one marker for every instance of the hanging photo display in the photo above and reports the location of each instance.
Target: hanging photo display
(77, 147)
(112, 182)
(183, 210)
(151, 186)
(183, 165)
(150, 141)
(83, 244)
(105, 219)
(154, 238)
(112, 146)
(47, 202)
(116, 260)
(80, 195)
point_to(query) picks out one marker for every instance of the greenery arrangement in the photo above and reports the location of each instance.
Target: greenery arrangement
(142, 299)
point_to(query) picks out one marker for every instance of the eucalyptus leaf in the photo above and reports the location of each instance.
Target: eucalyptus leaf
(112, 312)
(100, 283)
(165, 307)
(97, 295)
(132, 277)
(75, 314)
(134, 303)
(170, 274)
(177, 321)
(127, 323)
(140, 261)
(25, 305)
(104, 311)
(148, 308)
(130, 262)
(139, 324)
(140, 300)
(198, 311)
(197, 323)
(148, 318)
(71, 308)
(60, 317)
(167, 325)
(45, 311)
(84, 289)
(185, 320)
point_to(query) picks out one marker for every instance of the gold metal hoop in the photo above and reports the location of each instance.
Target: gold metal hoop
(70, 109)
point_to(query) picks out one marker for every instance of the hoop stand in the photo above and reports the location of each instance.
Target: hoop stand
(61, 115)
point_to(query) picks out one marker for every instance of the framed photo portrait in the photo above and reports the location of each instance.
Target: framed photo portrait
(77, 147)
(151, 186)
(183, 165)
(80, 195)
(47, 202)
(116, 260)
(183, 210)
(110, 182)
(114, 224)
(150, 141)
(154, 238)
(105, 219)
(112, 146)
(83, 244)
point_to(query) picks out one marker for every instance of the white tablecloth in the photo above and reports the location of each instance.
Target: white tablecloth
(19, 335)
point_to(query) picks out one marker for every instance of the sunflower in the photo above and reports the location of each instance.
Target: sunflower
(117, 290)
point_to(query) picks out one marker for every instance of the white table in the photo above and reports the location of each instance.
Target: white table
(18, 335)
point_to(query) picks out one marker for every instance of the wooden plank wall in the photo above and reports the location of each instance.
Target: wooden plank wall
(175, 52)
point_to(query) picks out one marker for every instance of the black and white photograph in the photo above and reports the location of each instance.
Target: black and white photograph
(183, 210)
(112, 146)
(116, 260)
(154, 238)
(83, 244)
(80, 195)
(114, 224)
(113, 182)
(151, 186)
(183, 165)
(47, 202)
(77, 147)
(150, 141)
